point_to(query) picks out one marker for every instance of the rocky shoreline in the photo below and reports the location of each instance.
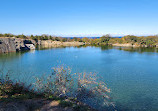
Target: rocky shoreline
(50, 43)
(12, 44)
(130, 45)
(17, 44)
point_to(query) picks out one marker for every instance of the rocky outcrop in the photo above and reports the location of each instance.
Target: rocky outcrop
(50, 43)
(17, 44)
(14, 44)
(7, 45)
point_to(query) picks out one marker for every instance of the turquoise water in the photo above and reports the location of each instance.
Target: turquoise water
(131, 74)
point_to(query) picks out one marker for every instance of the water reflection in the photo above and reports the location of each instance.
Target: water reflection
(128, 49)
(9, 56)
(137, 49)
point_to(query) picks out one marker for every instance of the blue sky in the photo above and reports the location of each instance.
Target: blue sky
(79, 17)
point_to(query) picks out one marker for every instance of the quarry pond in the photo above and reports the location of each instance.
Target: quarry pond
(130, 73)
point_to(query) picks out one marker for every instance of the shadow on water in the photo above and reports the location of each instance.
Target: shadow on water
(102, 47)
(128, 49)
(47, 48)
(9, 56)
(137, 49)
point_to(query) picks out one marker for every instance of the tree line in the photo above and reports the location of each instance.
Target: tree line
(149, 41)
(42, 37)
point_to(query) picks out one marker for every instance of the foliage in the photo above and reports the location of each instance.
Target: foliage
(82, 86)
(105, 39)
(148, 41)
(11, 90)
(61, 85)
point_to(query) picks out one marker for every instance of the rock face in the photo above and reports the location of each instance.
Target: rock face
(49, 43)
(15, 44)
(7, 45)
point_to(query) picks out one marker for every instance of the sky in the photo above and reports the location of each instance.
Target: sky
(79, 17)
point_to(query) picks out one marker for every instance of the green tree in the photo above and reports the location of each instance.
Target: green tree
(105, 38)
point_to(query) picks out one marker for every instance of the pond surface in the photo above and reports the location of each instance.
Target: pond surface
(130, 73)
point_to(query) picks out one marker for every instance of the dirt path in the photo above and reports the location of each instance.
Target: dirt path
(33, 105)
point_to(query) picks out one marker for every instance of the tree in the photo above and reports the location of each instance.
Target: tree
(131, 39)
(64, 39)
(105, 38)
(75, 38)
(85, 39)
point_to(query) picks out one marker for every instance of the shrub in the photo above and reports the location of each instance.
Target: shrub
(60, 85)
(82, 86)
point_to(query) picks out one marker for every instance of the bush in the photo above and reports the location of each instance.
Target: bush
(82, 86)
(60, 85)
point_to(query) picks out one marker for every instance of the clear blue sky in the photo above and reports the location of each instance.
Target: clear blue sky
(79, 17)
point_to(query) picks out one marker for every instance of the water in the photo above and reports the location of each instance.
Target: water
(130, 73)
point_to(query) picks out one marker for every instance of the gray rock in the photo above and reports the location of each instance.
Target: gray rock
(30, 46)
(15, 44)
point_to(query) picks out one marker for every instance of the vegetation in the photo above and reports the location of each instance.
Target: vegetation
(149, 41)
(42, 37)
(67, 88)
(142, 41)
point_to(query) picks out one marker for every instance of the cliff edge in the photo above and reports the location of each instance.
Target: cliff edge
(15, 44)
